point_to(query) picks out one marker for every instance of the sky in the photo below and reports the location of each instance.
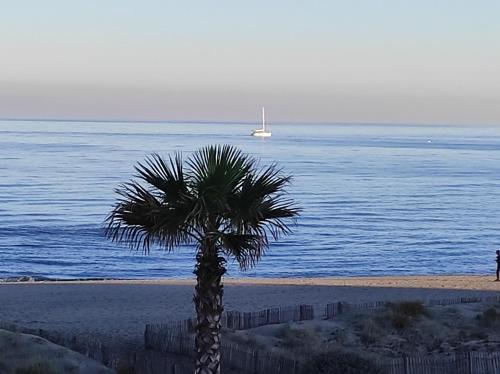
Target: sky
(306, 61)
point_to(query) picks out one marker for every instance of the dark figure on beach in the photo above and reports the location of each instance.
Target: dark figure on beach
(498, 265)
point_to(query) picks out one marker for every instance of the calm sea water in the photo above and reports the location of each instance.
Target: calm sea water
(376, 199)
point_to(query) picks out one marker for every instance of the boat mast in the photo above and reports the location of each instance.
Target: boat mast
(263, 119)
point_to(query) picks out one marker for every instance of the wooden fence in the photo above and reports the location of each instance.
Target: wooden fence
(466, 363)
(334, 309)
(259, 362)
(236, 357)
(243, 321)
(163, 336)
(245, 360)
(152, 362)
(463, 300)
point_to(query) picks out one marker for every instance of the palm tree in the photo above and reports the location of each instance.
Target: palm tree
(221, 201)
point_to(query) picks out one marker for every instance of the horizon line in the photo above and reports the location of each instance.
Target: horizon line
(241, 122)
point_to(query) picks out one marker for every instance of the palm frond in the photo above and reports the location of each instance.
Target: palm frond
(141, 219)
(246, 249)
(168, 177)
(215, 173)
(278, 208)
(261, 201)
(218, 168)
(268, 181)
(260, 207)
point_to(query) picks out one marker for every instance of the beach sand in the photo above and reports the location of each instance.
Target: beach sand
(117, 310)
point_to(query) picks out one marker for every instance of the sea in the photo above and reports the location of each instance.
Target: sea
(375, 199)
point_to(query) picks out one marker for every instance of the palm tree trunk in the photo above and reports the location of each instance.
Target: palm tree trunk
(208, 302)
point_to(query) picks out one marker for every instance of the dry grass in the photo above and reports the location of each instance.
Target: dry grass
(39, 367)
(296, 338)
(404, 314)
(340, 362)
(29, 354)
(242, 338)
(489, 318)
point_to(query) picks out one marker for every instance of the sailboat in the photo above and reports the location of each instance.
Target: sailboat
(262, 131)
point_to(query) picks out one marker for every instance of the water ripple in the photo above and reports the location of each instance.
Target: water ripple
(375, 199)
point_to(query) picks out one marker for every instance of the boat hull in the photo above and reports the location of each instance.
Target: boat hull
(262, 134)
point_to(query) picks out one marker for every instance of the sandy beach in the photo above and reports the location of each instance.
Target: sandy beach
(117, 310)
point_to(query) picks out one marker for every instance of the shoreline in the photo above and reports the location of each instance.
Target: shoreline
(416, 281)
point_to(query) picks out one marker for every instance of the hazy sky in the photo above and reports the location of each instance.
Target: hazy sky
(369, 61)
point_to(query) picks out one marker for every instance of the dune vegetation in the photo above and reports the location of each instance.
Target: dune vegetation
(362, 339)
(30, 354)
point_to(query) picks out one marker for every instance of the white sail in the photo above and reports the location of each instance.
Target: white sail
(262, 131)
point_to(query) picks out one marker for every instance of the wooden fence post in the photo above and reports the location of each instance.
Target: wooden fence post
(255, 361)
(469, 362)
